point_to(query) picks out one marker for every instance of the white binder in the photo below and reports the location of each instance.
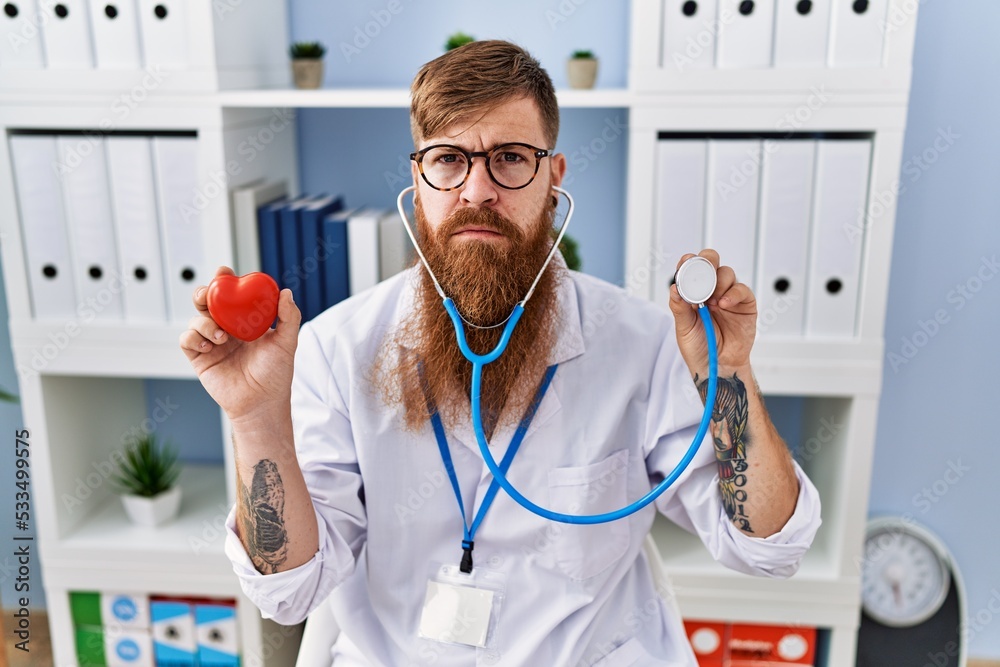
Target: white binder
(133, 203)
(783, 244)
(680, 207)
(20, 41)
(175, 165)
(87, 203)
(246, 201)
(394, 245)
(801, 33)
(115, 27)
(689, 29)
(746, 31)
(362, 248)
(162, 27)
(43, 226)
(731, 210)
(66, 34)
(835, 256)
(858, 33)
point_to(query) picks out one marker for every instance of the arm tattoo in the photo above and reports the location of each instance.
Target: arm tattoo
(261, 517)
(728, 428)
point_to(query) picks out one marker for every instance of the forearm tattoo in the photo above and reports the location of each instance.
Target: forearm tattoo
(728, 428)
(261, 517)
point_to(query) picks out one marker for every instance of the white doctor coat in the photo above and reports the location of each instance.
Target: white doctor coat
(619, 414)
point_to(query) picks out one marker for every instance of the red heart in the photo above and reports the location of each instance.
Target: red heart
(244, 306)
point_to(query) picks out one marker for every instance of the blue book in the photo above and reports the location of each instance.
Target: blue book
(289, 229)
(313, 251)
(269, 240)
(335, 267)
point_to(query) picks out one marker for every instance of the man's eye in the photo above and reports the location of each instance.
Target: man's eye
(511, 157)
(450, 158)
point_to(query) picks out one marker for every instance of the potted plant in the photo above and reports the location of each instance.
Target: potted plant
(146, 476)
(581, 69)
(307, 64)
(458, 39)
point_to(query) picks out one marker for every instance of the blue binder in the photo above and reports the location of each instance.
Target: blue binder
(335, 268)
(269, 239)
(291, 262)
(314, 250)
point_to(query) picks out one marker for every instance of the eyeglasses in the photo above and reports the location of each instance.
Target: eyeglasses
(512, 166)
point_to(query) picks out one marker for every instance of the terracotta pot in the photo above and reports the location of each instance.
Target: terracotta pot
(307, 72)
(152, 511)
(582, 72)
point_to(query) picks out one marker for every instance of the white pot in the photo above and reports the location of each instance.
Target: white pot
(307, 72)
(153, 511)
(581, 72)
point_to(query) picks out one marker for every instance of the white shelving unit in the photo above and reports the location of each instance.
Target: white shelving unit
(79, 401)
(839, 380)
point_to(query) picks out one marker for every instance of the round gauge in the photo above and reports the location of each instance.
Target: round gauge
(905, 572)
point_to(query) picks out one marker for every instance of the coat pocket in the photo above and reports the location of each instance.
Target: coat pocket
(583, 551)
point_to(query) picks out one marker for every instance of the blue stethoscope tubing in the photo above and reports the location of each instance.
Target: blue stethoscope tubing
(480, 360)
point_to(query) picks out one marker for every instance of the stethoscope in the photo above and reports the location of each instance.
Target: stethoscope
(696, 282)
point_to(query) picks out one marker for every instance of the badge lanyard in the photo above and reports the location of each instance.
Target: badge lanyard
(515, 443)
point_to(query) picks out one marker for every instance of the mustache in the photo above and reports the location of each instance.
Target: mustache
(486, 218)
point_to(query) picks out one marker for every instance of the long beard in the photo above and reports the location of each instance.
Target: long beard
(485, 278)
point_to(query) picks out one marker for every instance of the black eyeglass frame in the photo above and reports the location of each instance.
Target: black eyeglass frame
(539, 153)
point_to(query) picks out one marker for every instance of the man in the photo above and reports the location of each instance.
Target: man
(343, 489)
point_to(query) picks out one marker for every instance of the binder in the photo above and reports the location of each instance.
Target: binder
(175, 161)
(93, 247)
(174, 640)
(746, 31)
(689, 30)
(858, 33)
(125, 610)
(215, 631)
(394, 245)
(269, 237)
(362, 248)
(20, 42)
(835, 256)
(133, 203)
(680, 206)
(313, 251)
(115, 28)
(66, 34)
(246, 203)
(43, 227)
(783, 247)
(163, 33)
(801, 33)
(290, 231)
(127, 648)
(731, 209)
(336, 265)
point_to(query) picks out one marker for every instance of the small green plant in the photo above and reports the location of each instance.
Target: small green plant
(458, 39)
(583, 55)
(7, 397)
(148, 469)
(570, 250)
(300, 50)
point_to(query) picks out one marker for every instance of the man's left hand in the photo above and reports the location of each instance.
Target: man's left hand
(733, 310)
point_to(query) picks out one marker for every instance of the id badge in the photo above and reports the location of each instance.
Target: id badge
(461, 608)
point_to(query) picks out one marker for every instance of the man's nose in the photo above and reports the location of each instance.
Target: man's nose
(479, 188)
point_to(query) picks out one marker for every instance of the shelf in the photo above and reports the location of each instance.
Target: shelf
(392, 98)
(188, 548)
(704, 588)
(111, 348)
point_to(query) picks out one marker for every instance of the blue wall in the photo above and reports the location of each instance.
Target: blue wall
(947, 224)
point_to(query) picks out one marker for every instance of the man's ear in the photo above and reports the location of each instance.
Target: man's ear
(557, 169)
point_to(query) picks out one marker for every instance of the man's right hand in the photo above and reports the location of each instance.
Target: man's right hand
(251, 381)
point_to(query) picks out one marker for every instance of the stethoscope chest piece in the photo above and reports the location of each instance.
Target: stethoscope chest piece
(696, 280)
